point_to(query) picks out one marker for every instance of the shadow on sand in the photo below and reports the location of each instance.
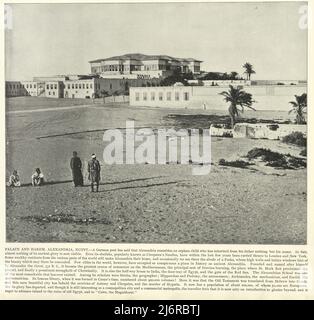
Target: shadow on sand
(146, 186)
(87, 184)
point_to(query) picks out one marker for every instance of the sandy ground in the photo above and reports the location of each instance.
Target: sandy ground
(144, 203)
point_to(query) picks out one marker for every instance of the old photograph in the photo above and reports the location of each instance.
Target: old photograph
(170, 123)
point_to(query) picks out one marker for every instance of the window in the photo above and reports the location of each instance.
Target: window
(91, 86)
(55, 87)
(47, 86)
(86, 85)
(34, 86)
(30, 86)
(80, 86)
(51, 86)
(83, 85)
(137, 96)
(110, 86)
(152, 96)
(72, 85)
(186, 96)
(76, 86)
(53, 93)
(168, 96)
(49, 93)
(177, 96)
(69, 86)
(145, 96)
(160, 96)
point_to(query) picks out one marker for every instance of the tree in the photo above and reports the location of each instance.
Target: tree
(299, 108)
(237, 97)
(177, 76)
(114, 94)
(126, 88)
(248, 70)
(233, 75)
(104, 94)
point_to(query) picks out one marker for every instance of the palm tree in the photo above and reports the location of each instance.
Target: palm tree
(237, 97)
(299, 108)
(248, 70)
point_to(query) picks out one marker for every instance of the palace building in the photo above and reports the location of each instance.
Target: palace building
(136, 65)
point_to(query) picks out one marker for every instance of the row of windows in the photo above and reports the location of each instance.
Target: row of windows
(112, 67)
(161, 96)
(52, 86)
(66, 93)
(82, 86)
(29, 86)
(51, 93)
(20, 86)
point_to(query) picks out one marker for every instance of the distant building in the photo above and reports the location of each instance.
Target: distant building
(97, 87)
(54, 89)
(24, 88)
(143, 66)
(33, 88)
(80, 88)
(14, 89)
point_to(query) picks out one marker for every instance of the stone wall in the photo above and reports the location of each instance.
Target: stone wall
(272, 97)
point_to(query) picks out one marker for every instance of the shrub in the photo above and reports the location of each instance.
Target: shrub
(276, 159)
(296, 138)
(236, 163)
(303, 153)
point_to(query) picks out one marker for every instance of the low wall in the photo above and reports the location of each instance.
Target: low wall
(275, 98)
(268, 131)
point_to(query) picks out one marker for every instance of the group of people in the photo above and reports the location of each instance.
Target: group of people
(93, 169)
(37, 178)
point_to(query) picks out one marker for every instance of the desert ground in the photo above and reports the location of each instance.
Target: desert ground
(144, 203)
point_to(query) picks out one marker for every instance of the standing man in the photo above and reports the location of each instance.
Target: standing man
(76, 167)
(94, 172)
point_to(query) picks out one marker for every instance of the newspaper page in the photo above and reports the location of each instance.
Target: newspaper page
(156, 150)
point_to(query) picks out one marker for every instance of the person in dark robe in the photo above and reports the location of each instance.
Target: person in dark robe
(76, 167)
(94, 172)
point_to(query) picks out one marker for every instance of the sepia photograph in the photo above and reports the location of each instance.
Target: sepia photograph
(156, 123)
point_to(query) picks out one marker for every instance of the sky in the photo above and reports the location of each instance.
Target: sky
(51, 39)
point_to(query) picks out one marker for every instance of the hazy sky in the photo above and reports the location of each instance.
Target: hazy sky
(49, 39)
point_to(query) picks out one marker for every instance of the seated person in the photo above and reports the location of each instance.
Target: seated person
(37, 178)
(14, 180)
